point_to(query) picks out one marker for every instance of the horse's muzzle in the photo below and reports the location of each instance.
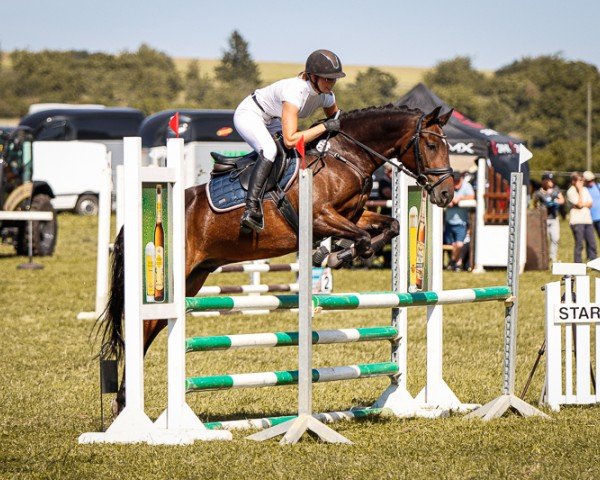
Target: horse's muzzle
(442, 195)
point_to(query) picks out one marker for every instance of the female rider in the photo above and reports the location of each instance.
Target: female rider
(277, 107)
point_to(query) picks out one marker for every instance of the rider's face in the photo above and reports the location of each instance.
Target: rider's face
(326, 84)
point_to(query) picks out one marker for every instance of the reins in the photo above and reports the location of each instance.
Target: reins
(421, 175)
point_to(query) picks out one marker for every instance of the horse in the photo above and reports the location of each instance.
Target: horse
(408, 138)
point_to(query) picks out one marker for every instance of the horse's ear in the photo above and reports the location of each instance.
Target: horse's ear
(431, 118)
(443, 120)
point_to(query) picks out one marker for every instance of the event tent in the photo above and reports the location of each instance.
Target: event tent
(481, 146)
(467, 137)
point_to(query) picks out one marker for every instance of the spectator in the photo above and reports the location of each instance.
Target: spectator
(456, 220)
(548, 196)
(580, 218)
(385, 182)
(594, 189)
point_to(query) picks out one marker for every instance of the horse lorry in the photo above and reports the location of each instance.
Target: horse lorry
(72, 146)
(21, 195)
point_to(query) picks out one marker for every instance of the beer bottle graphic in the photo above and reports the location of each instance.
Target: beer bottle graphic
(413, 223)
(149, 257)
(421, 230)
(159, 250)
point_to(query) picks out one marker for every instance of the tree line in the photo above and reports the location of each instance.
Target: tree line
(541, 100)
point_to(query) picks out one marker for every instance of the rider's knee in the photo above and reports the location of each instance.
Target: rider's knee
(269, 152)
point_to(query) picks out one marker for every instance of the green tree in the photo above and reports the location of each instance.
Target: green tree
(552, 105)
(237, 75)
(49, 76)
(197, 88)
(146, 79)
(371, 88)
(237, 64)
(458, 70)
(461, 86)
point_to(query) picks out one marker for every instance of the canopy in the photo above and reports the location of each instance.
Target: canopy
(467, 137)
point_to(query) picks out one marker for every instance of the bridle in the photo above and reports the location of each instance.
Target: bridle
(421, 175)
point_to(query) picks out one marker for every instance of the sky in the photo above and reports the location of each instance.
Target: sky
(370, 33)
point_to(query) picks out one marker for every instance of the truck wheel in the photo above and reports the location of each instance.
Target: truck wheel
(87, 205)
(44, 233)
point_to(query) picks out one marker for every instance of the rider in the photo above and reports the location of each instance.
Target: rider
(277, 107)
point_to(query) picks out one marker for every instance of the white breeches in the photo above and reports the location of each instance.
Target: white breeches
(256, 128)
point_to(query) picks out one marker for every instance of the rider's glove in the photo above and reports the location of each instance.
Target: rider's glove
(332, 125)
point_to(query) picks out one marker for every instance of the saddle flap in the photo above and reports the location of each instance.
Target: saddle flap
(225, 191)
(281, 163)
(241, 167)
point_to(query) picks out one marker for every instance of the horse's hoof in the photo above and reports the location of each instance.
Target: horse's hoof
(344, 243)
(337, 259)
(319, 255)
(368, 254)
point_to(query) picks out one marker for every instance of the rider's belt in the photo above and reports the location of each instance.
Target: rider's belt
(256, 101)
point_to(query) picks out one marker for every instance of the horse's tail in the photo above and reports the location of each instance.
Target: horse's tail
(110, 322)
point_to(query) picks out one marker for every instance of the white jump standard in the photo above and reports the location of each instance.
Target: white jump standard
(133, 425)
(571, 319)
(508, 399)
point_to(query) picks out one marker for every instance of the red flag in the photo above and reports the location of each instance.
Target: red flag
(174, 124)
(300, 148)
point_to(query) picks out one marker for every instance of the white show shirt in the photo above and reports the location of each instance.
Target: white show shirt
(296, 91)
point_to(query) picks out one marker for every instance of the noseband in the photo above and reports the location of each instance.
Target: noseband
(421, 175)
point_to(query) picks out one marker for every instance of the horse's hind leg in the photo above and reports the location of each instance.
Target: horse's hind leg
(382, 228)
(328, 223)
(151, 329)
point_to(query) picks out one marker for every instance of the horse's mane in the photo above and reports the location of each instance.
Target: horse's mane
(362, 113)
(389, 108)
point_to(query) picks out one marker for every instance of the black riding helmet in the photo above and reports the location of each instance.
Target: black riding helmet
(324, 63)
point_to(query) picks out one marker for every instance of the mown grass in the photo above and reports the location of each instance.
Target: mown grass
(49, 388)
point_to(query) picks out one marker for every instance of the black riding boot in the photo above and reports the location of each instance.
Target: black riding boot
(252, 219)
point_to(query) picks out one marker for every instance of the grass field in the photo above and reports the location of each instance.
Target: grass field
(407, 77)
(49, 388)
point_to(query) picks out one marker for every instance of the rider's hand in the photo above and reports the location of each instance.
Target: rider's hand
(332, 125)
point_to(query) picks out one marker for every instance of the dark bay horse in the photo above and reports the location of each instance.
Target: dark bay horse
(342, 183)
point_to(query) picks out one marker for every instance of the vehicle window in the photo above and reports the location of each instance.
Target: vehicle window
(106, 127)
(55, 130)
(219, 129)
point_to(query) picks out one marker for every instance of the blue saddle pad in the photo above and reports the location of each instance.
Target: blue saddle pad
(226, 193)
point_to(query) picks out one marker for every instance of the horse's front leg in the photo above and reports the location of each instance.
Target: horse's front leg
(329, 223)
(381, 228)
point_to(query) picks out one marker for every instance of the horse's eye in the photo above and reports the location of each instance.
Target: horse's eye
(431, 146)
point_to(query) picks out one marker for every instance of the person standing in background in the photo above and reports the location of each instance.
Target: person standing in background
(548, 196)
(594, 189)
(456, 220)
(580, 219)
